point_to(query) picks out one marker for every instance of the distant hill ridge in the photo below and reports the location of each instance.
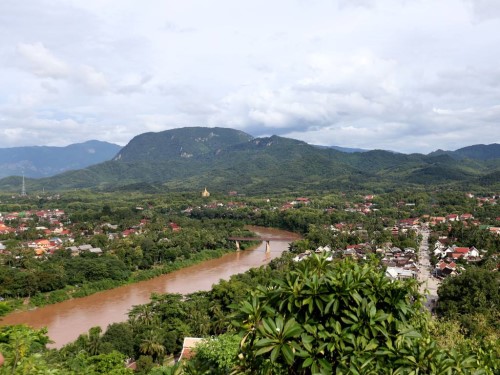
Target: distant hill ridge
(477, 152)
(45, 161)
(226, 159)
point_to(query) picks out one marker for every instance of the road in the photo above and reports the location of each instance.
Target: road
(428, 282)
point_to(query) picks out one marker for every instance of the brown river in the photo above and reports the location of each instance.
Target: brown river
(65, 321)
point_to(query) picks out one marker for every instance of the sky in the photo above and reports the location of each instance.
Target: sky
(401, 75)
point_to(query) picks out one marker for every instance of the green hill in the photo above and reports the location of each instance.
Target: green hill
(475, 152)
(227, 159)
(180, 143)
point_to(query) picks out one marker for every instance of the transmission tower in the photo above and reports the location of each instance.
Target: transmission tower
(23, 188)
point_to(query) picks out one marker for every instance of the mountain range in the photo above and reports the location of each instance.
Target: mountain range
(226, 159)
(45, 161)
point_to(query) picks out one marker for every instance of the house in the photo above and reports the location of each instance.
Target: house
(409, 222)
(440, 243)
(301, 200)
(445, 269)
(461, 250)
(494, 230)
(398, 273)
(96, 250)
(174, 226)
(452, 217)
(110, 226)
(40, 251)
(128, 232)
(438, 252)
(395, 250)
(449, 251)
(286, 206)
(350, 252)
(41, 243)
(302, 256)
(4, 229)
(187, 347)
(473, 253)
(465, 217)
(76, 250)
(437, 220)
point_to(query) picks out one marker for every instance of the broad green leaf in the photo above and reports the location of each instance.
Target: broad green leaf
(264, 350)
(287, 354)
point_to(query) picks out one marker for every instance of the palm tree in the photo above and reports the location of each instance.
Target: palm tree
(143, 314)
(219, 319)
(94, 340)
(152, 345)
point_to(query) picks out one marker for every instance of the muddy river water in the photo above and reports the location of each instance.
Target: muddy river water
(67, 320)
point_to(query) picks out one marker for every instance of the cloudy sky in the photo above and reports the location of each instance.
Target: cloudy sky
(404, 75)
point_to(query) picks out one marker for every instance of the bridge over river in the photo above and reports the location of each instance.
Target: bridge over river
(267, 240)
(66, 320)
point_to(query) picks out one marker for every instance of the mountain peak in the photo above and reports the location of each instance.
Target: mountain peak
(180, 143)
(476, 152)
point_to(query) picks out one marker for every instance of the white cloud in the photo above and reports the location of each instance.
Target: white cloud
(93, 80)
(42, 62)
(404, 75)
(485, 9)
(134, 83)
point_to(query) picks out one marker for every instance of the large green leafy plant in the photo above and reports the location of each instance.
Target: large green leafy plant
(342, 318)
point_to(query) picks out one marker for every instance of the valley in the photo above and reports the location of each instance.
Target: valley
(123, 261)
(90, 261)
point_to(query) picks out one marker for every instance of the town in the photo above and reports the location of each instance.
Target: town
(351, 233)
(54, 250)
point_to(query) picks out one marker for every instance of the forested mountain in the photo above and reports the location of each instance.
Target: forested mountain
(180, 143)
(45, 161)
(226, 159)
(476, 152)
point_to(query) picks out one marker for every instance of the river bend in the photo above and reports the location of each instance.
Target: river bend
(65, 321)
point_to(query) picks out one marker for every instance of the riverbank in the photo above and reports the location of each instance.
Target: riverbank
(86, 289)
(66, 320)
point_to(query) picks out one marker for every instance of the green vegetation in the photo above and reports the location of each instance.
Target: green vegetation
(228, 159)
(473, 299)
(315, 316)
(478, 152)
(63, 276)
